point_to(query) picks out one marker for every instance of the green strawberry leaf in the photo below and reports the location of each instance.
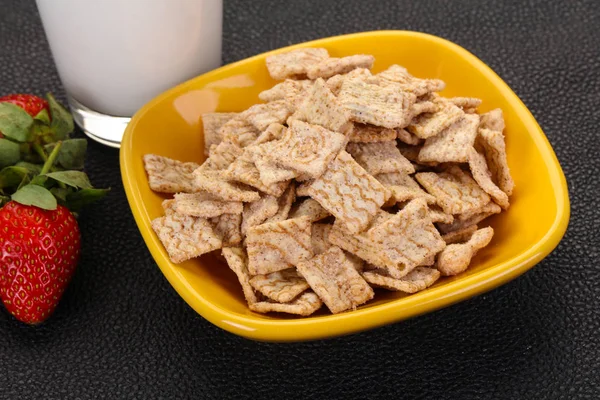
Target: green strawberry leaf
(39, 180)
(34, 169)
(76, 179)
(15, 123)
(60, 194)
(62, 120)
(12, 176)
(77, 200)
(10, 152)
(72, 153)
(34, 195)
(43, 117)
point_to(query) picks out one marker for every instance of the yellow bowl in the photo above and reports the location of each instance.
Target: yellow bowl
(525, 234)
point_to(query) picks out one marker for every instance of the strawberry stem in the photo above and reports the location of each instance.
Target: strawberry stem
(40, 151)
(51, 158)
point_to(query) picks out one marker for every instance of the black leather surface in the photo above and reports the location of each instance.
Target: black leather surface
(121, 331)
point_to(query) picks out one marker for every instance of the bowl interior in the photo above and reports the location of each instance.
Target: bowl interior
(170, 126)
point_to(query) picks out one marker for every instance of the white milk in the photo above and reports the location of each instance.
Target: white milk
(115, 55)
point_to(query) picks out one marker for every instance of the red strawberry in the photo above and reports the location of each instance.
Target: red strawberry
(39, 250)
(32, 104)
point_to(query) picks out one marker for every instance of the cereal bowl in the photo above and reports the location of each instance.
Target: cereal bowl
(531, 228)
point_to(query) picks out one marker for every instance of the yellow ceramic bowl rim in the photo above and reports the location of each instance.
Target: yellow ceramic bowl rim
(370, 317)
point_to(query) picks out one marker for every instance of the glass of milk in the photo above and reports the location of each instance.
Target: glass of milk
(113, 56)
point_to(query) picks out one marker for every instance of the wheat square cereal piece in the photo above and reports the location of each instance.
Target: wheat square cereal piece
(459, 236)
(349, 193)
(403, 188)
(321, 107)
(495, 154)
(203, 205)
(362, 133)
(308, 148)
(263, 115)
(335, 280)
(239, 131)
(259, 211)
(216, 184)
(284, 204)
(455, 258)
(212, 123)
(292, 91)
(185, 237)
(460, 224)
(409, 83)
(493, 120)
(319, 238)
(281, 286)
(237, 260)
(380, 158)
(221, 156)
(407, 239)
(227, 227)
(271, 173)
(310, 208)
(275, 246)
(483, 177)
(438, 215)
(358, 245)
(466, 103)
(246, 172)
(168, 206)
(406, 137)
(453, 143)
(166, 175)
(388, 106)
(432, 124)
(416, 280)
(304, 305)
(411, 153)
(456, 192)
(273, 132)
(295, 63)
(335, 82)
(490, 208)
(334, 66)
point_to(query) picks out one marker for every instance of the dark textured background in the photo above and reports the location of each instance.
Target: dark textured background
(122, 332)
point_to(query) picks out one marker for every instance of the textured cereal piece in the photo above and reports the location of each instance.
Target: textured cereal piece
(416, 280)
(335, 82)
(335, 280)
(432, 124)
(284, 204)
(491, 208)
(483, 177)
(273, 132)
(319, 238)
(239, 131)
(304, 305)
(221, 156)
(263, 115)
(310, 208)
(271, 173)
(455, 258)
(456, 192)
(406, 137)
(185, 237)
(493, 120)
(280, 245)
(294, 64)
(460, 236)
(212, 123)
(407, 239)
(403, 188)
(409, 83)
(349, 193)
(321, 107)
(388, 106)
(292, 91)
(168, 206)
(281, 286)
(466, 103)
(259, 211)
(308, 148)
(380, 158)
(169, 176)
(302, 189)
(334, 66)
(495, 154)
(204, 205)
(227, 227)
(215, 183)
(370, 134)
(453, 143)
(246, 172)
(411, 153)
(459, 224)
(237, 260)
(438, 215)
(428, 262)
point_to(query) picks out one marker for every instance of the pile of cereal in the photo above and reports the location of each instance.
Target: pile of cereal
(340, 182)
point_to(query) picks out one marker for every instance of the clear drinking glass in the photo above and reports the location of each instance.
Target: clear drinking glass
(115, 55)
